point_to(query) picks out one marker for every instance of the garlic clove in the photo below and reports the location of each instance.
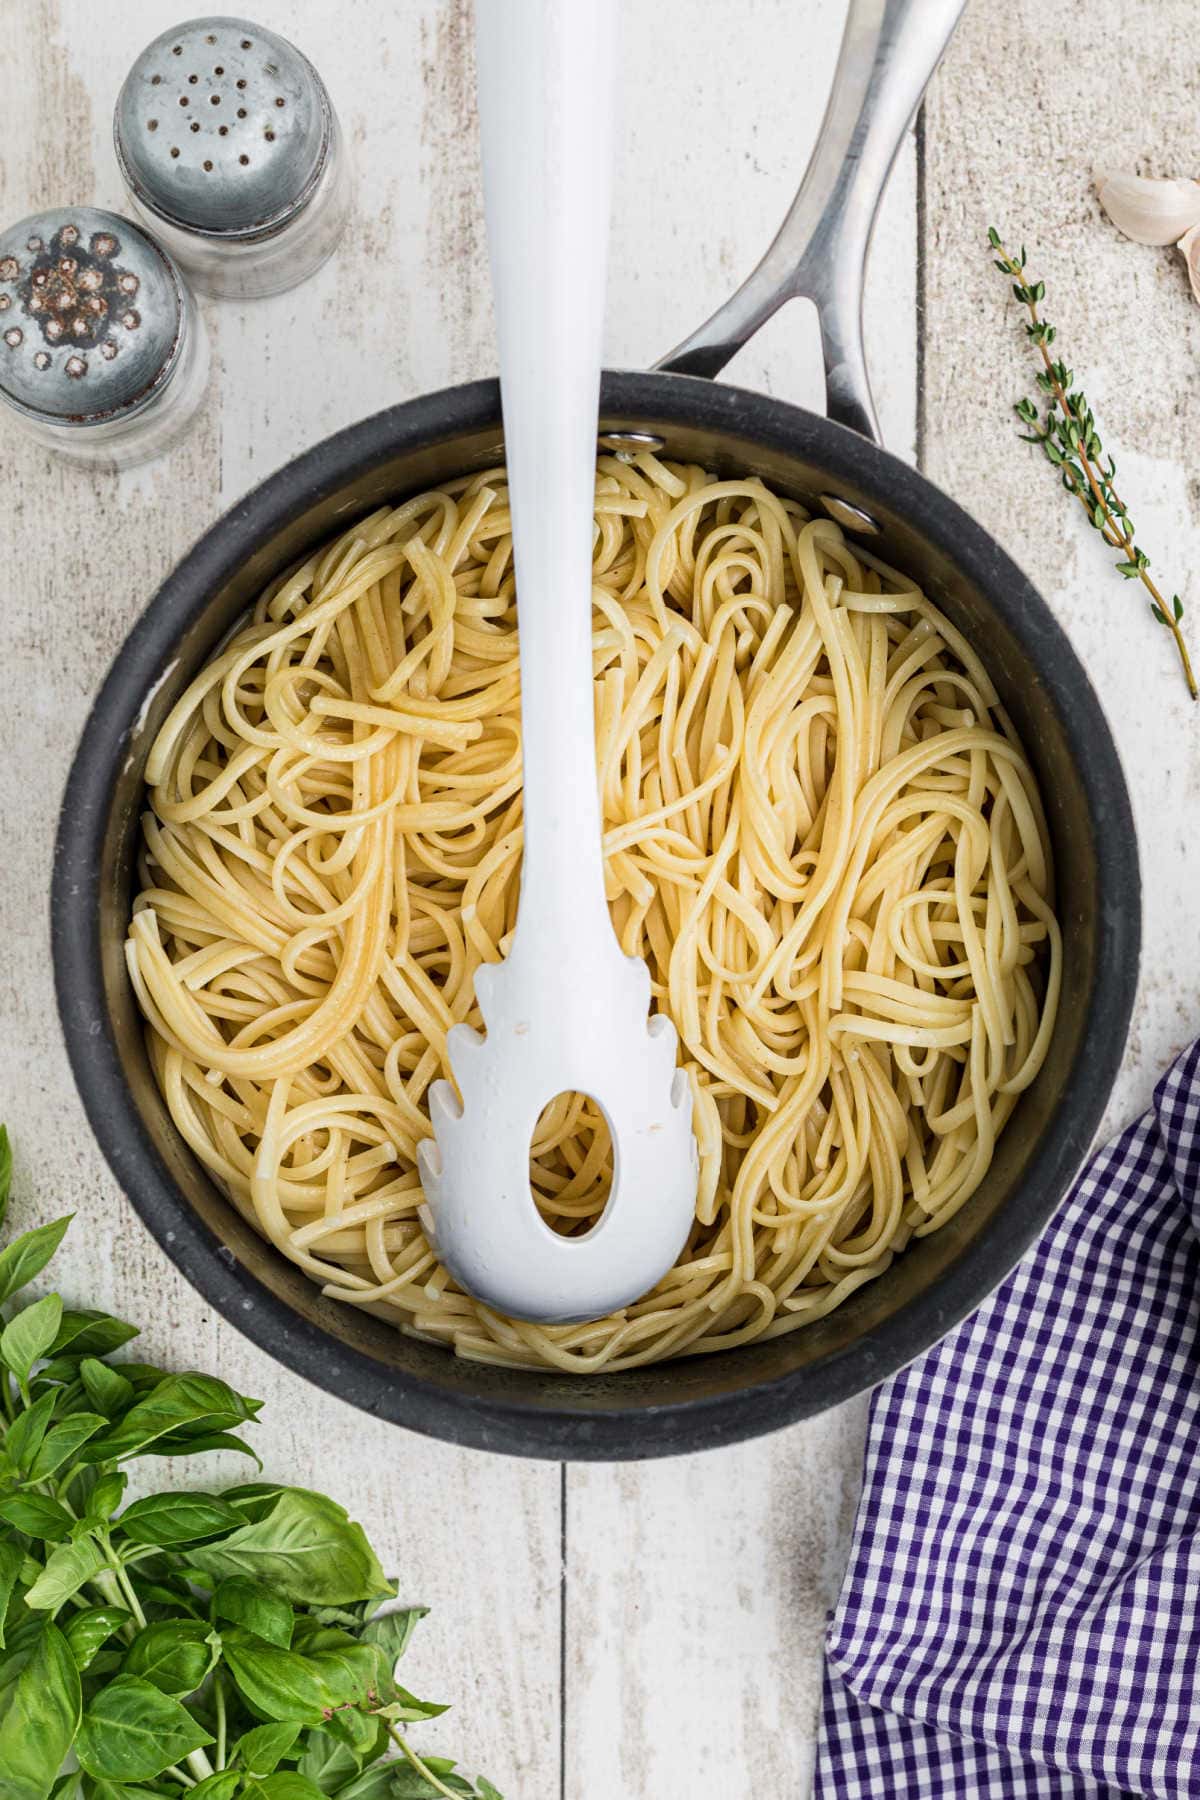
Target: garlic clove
(1189, 249)
(1148, 210)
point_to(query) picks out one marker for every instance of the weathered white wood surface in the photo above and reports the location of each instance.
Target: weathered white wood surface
(1030, 100)
(606, 1634)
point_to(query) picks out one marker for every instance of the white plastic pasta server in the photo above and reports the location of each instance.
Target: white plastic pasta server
(566, 1010)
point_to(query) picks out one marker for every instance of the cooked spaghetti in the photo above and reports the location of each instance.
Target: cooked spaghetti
(820, 830)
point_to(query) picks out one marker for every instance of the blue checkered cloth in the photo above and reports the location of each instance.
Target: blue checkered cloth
(1021, 1613)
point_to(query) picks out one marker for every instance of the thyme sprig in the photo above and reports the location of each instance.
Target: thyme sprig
(1065, 427)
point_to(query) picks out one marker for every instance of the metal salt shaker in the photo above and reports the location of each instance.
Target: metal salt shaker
(231, 152)
(103, 355)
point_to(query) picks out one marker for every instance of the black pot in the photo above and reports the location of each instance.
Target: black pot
(700, 1401)
(891, 47)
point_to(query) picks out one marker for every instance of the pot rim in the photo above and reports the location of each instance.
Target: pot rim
(570, 1429)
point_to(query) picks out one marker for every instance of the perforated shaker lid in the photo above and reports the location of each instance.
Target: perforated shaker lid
(91, 315)
(222, 128)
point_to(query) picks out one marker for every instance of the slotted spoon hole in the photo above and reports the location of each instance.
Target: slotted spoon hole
(571, 1163)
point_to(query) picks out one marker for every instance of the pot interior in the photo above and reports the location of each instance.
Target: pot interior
(690, 1402)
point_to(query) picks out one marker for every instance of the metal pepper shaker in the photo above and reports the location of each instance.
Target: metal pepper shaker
(231, 151)
(103, 355)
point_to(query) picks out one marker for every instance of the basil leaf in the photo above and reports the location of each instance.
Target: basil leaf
(174, 1654)
(364, 1735)
(27, 1430)
(279, 1684)
(86, 1632)
(250, 1604)
(307, 1547)
(260, 1750)
(106, 1662)
(409, 1784)
(144, 1375)
(175, 1596)
(487, 1791)
(107, 1390)
(353, 1617)
(170, 1519)
(254, 1499)
(283, 1786)
(286, 1785)
(11, 1558)
(304, 1686)
(393, 1632)
(37, 1516)
(28, 1255)
(62, 1369)
(5, 1171)
(21, 1645)
(18, 1622)
(29, 1334)
(65, 1573)
(90, 1333)
(20, 1649)
(408, 1708)
(355, 1672)
(132, 1732)
(112, 1790)
(373, 1784)
(180, 1444)
(221, 1786)
(40, 1718)
(62, 1442)
(328, 1761)
(197, 1403)
(105, 1496)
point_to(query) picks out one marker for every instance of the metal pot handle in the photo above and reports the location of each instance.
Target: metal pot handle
(890, 49)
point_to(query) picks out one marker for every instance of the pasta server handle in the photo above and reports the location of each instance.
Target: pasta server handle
(566, 1009)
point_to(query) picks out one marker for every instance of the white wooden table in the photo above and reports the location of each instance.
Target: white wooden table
(625, 1632)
